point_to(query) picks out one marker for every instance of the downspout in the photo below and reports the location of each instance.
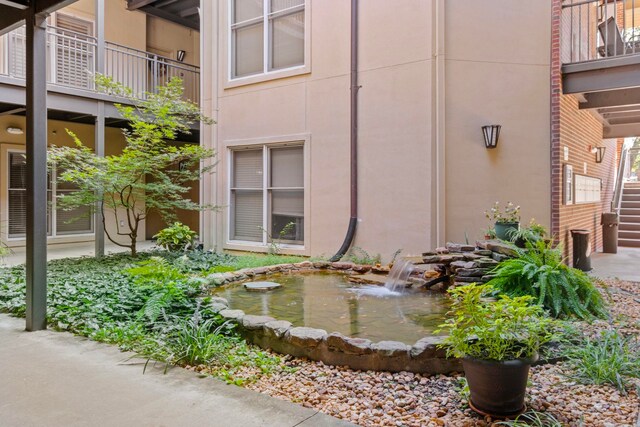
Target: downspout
(353, 220)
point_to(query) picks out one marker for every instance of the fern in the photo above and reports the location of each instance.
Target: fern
(540, 272)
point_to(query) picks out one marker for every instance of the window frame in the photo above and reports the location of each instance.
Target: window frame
(267, 144)
(266, 74)
(53, 227)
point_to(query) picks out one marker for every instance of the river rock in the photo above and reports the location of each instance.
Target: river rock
(219, 300)
(427, 348)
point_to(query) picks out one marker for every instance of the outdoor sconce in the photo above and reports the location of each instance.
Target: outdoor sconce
(180, 55)
(15, 130)
(491, 134)
(600, 154)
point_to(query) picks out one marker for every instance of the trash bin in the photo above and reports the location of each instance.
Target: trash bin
(581, 249)
(610, 223)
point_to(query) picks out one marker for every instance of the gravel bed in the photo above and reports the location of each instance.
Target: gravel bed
(407, 399)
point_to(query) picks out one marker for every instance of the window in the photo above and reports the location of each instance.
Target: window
(74, 51)
(267, 194)
(75, 221)
(266, 35)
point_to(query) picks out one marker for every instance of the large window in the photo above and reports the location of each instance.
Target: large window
(267, 195)
(59, 222)
(266, 35)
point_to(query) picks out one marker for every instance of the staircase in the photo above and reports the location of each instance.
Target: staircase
(629, 229)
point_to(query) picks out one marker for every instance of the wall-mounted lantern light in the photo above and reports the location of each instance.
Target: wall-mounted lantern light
(491, 134)
(180, 55)
(600, 154)
(14, 130)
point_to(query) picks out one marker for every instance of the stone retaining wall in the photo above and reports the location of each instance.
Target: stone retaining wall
(331, 348)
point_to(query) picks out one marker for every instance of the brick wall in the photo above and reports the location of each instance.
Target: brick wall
(580, 129)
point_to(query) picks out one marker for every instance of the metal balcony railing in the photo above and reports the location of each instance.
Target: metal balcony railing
(593, 30)
(73, 58)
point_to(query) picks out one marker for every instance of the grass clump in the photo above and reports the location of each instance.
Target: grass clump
(532, 419)
(610, 358)
(359, 256)
(540, 273)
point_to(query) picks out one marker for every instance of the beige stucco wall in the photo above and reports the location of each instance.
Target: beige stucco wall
(497, 72)
(394, 124)
(492, 73)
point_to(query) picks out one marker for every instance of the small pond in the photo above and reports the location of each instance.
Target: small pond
(329, 301)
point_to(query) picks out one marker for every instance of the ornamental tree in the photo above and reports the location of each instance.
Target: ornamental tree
(153, 173)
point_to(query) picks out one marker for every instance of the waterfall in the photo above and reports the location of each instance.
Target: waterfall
(399, 273)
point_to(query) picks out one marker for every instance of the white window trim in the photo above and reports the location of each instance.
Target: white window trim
(4, 211)
(267, 143)
(266, 75)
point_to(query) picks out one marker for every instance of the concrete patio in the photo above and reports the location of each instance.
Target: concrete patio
(57, 379)
(624, 265)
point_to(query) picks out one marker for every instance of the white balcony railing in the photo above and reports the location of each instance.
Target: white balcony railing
(72, 63)
(599, 29)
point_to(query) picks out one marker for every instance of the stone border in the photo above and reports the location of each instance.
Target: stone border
(331, 348)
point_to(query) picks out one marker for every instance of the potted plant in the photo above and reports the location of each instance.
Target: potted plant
(507, 221)
(498, 339)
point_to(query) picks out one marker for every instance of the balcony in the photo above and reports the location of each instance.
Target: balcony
(600, 54)
(73, 60)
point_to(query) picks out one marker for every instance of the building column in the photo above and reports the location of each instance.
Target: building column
(36, 103)
(99, 126)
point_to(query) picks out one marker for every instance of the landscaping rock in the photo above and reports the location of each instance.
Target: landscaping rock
(216, 307)
(252, 323)
(321, 264)
(470, 272)
(232, 314)
(342, 265)
(276, 328)
(499, 257)
(339, 342)
(463, 264)
(467, 248)
(427, 348)
(304, 264)
(390, 348)
(502, 248)
(305, 337)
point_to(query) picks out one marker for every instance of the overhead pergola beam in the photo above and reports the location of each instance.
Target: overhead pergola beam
(621, 131)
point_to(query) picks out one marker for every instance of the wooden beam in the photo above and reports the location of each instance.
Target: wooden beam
(189, 12)
(621, 131)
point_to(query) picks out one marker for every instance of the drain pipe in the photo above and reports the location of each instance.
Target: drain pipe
(353, 221)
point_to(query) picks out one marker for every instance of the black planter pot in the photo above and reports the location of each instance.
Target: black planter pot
(497, 388)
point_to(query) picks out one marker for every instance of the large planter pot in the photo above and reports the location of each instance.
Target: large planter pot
(504, 229)
(497, 388)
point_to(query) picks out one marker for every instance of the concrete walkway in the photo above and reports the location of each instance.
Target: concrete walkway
(50, 379)
(71, 250)
(624, 265)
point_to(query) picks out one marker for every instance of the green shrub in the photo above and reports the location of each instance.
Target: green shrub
(494, 329)
(611, 358)
(540, 273)
(358, 255)
(177, 237)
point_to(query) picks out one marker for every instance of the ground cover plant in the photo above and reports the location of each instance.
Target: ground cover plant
(538, 271)
(151, 305)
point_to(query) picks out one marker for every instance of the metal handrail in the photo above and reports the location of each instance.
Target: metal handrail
(593, 30)
(72, 59)
(624, 169)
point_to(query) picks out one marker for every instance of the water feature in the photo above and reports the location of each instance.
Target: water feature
(329, 301)
(399, 274)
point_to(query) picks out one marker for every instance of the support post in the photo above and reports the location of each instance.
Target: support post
(99, 126)
(99, 148)
(36, 266)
